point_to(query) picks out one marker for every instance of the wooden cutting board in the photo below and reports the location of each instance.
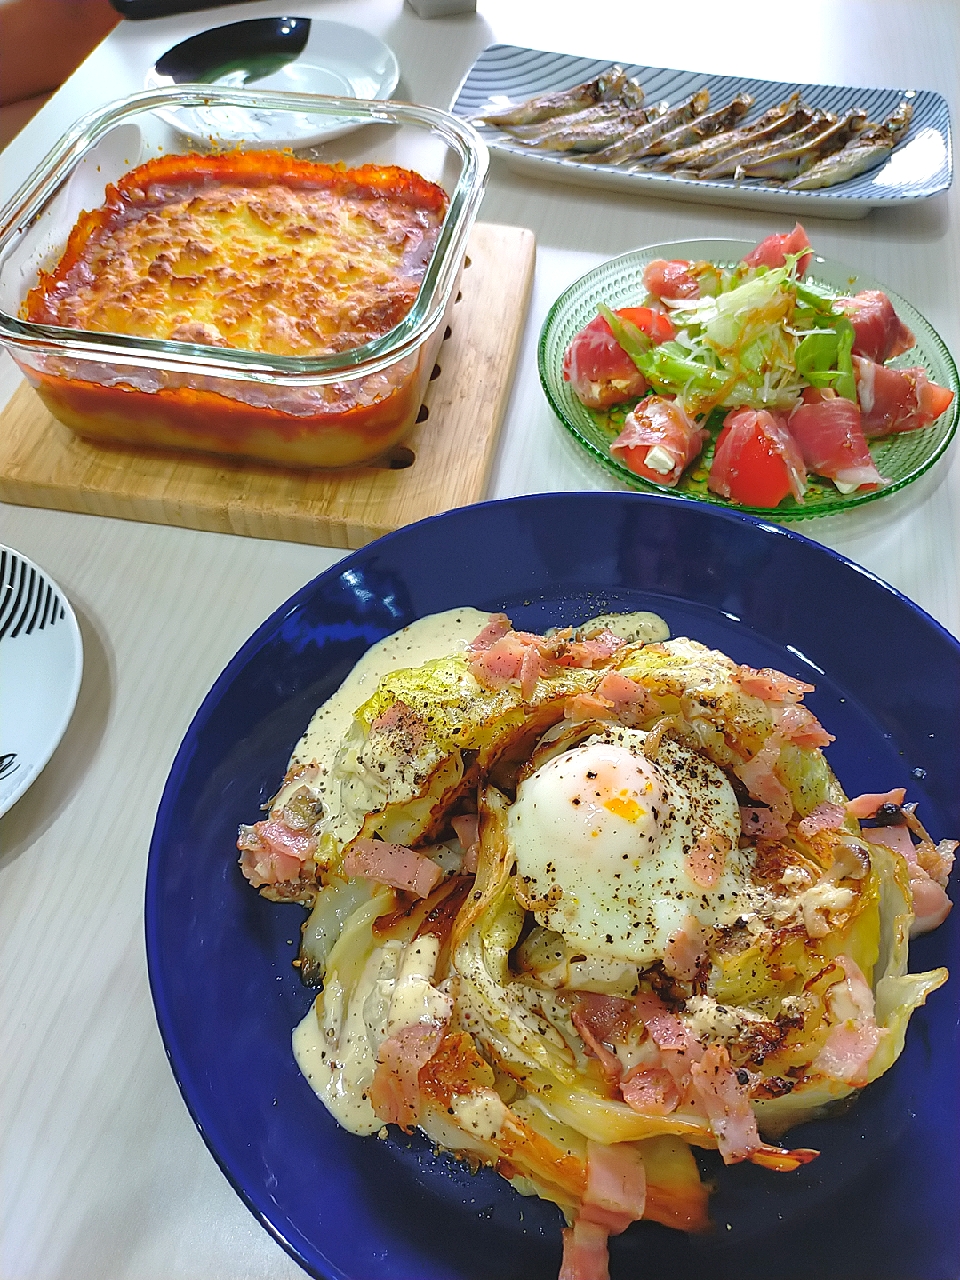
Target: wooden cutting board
(444, 463)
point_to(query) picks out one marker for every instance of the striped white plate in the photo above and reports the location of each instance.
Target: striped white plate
(41, 662)
(920, 166)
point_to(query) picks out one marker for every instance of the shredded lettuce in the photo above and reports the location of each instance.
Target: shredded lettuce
(755, 338)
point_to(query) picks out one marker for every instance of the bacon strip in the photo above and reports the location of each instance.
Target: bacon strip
(757, 823)
(496, 628)
(616, 1186)
(825, 817)
(866, 805)
(798, 725)
(770, 684)
(499, 658)
(395, 1091)
(726, 1103)
(758, 776)
(852, 1042)
(704, 861)
(600, 1018)
(629, 699)
(273, 853)
(585, 1254)
(467, 827)
(931, 905)
(650, 1090)
(609, 1062)
(685, 949)
(392, 864)
(561, 651)
(587, 706)
(707, 1075)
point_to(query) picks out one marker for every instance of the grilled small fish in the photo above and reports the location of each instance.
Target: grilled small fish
(791, 162)
(702, 127)
(784, 118)
(538, 132)
(864, 152)
(593, 135)
(728, 166)
(636, 143)
(606, 87)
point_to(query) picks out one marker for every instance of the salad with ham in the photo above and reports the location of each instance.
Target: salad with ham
(582, 902)
(759, 376)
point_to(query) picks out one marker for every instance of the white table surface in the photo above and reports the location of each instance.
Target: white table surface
(102, 1173)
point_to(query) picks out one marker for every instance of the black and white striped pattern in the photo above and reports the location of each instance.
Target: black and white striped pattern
(28, 601)
(920, 166)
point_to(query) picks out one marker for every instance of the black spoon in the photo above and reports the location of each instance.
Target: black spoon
(258, 47)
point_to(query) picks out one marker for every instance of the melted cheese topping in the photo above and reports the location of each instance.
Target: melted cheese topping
(289, 258)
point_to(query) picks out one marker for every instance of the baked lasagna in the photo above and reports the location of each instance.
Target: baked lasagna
(259, 252)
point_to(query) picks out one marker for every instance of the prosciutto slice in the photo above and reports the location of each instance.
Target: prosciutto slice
(879, 333)
(827, 430)
(757, 461)
(773, 251)
(895, 400)
(659, 440)
(671, 280)
(598, 369)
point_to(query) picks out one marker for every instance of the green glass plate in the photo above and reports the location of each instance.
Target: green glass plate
(619, 283)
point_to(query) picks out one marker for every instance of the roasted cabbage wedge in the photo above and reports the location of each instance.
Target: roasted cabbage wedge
(449, 1002)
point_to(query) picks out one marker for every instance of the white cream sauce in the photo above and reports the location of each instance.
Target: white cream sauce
(333, 1046)
(434, 636)
(336, 1043)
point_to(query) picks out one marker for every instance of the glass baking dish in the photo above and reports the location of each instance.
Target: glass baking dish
(149, 393)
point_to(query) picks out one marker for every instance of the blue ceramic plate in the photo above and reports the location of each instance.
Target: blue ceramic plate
(879, 1203)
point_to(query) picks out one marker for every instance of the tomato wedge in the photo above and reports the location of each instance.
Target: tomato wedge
(655, 324)
(756, 461)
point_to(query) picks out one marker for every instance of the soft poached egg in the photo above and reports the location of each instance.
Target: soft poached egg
(615, 850)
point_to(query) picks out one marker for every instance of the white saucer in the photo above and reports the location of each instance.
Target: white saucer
(337, 60)
(41, 662)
